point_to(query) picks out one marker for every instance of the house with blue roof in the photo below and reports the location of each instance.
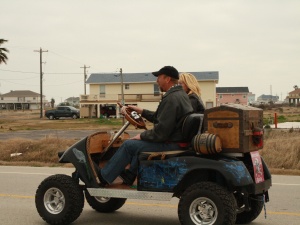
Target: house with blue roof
(138, 89)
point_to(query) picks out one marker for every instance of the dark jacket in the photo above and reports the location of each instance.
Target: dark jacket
(197, 103)
(168, 118)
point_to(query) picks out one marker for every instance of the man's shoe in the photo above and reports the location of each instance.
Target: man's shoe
(98, 172)
(128, 177)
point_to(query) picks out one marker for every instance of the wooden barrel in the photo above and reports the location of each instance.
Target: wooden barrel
(207, 143)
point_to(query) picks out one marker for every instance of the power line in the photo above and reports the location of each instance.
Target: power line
(63, 84)
(49, 85)
(17, 71)
(65, 57)
(28, 78)
(61, 73)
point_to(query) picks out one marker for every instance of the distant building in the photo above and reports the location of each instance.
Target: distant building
(73, 101)
(267, 98)
(251, 98)
(236, 95)
(139, 89)
(22, 99)
(294, 97)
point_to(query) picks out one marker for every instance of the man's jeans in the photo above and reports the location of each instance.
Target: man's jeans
(128, 154)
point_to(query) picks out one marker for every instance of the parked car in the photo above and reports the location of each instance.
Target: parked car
(62, 111)
(108, 110)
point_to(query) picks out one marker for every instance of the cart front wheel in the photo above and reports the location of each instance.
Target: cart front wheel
(59, 200)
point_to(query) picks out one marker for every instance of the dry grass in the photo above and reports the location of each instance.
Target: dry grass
(284, 114)
(281, 148)
(11, 121)
(281, 151)
(33, 152)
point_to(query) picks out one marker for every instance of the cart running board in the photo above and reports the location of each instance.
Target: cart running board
(131, 194)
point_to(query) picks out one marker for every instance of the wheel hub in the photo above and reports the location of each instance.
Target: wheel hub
(54, 201)
(102, 199)
(203, 211)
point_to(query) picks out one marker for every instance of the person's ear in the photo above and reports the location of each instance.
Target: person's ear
(168, 79)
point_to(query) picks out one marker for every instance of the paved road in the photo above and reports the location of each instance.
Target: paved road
(69, 134)
(18, 186)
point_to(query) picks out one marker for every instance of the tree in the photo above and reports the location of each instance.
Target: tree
(3, 56)
(52, 103)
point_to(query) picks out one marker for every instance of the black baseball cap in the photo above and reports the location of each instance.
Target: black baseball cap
(167, 70)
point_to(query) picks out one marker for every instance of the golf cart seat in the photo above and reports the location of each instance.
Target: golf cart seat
(192, 125)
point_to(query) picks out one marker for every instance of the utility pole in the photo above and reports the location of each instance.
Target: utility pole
(84, 77)
(122, 91)
(41, 80)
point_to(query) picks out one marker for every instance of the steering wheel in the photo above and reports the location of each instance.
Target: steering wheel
(134, 118)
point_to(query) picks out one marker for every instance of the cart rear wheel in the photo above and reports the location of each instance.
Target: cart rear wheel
(207, 203)
(59, 200)
(257, 203)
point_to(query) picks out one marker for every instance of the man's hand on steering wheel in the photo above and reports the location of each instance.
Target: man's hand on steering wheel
(132, 107)
(131, 113)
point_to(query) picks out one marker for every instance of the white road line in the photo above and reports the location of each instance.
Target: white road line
(286, 184)
(26, 173)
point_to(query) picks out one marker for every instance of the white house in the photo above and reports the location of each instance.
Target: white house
(73, 101)
(21, 99)
(139, 89)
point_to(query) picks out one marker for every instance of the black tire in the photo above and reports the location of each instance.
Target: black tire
(74, 116)
(51, 117)
(207, 203)
(59, 200)
(104, 204)
(257, 204)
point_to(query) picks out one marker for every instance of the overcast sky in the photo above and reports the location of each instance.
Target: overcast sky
(251, 43)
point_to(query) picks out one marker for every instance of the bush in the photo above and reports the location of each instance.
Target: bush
(281, 119)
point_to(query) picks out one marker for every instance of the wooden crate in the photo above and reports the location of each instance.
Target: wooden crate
(235, 125)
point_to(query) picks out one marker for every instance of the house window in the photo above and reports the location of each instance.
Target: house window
(2, 98)
(34, 98)
(220, 96)
(126, 86)
(244, 96)
(156, 90)
(21, 99)
(102, 91)
(209, 105)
